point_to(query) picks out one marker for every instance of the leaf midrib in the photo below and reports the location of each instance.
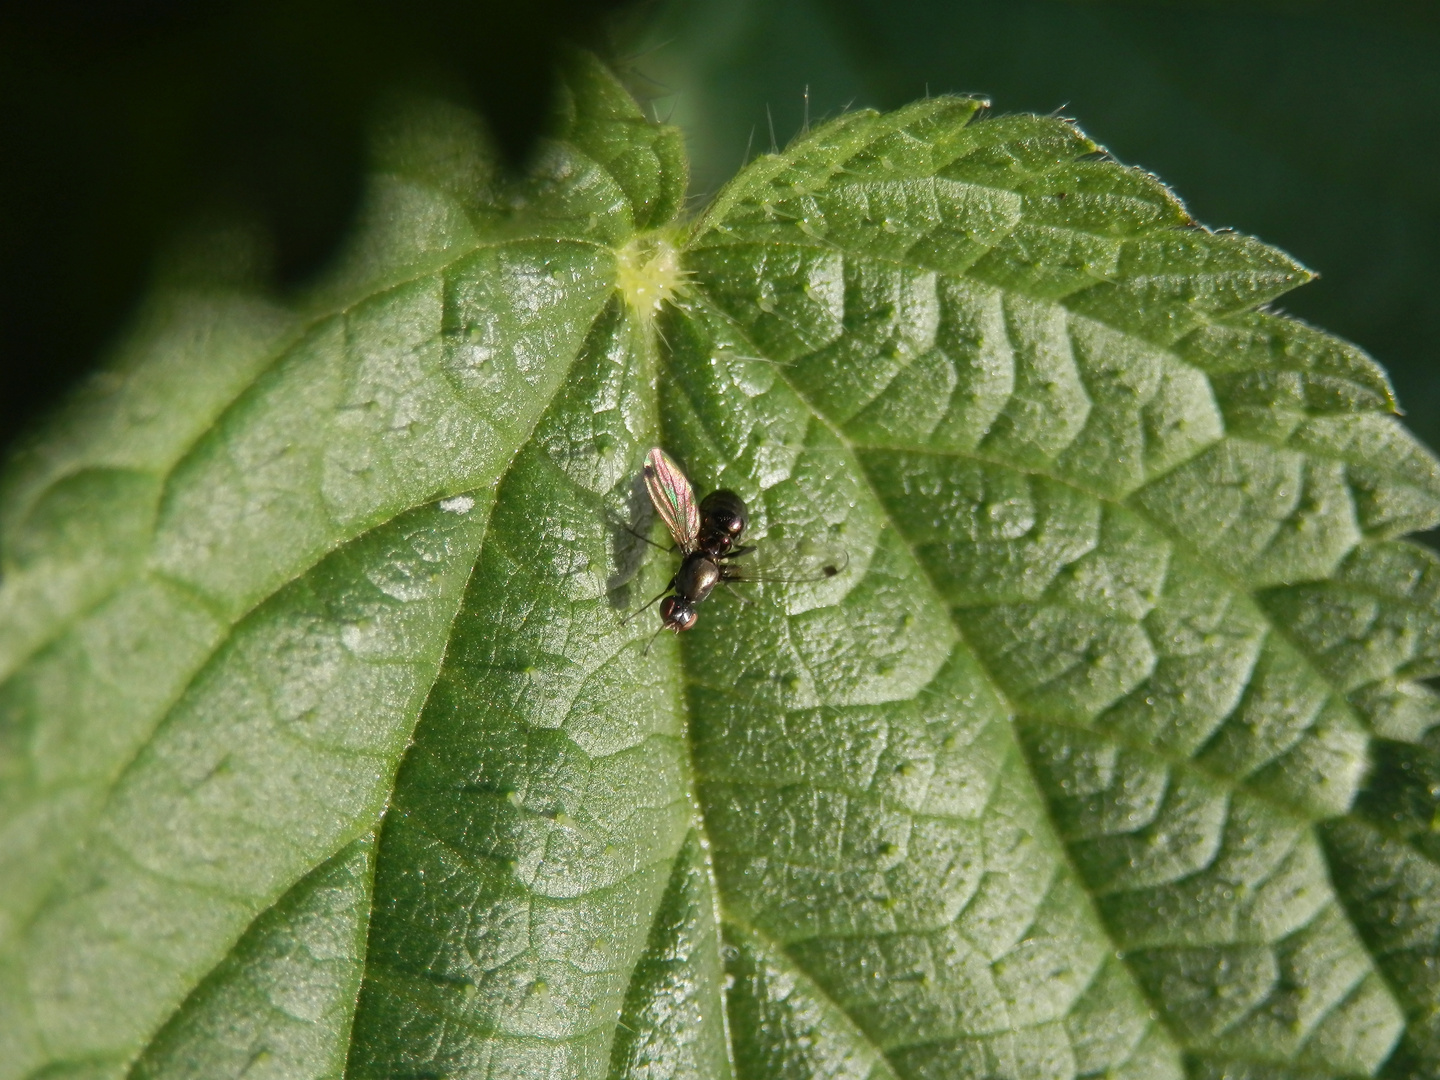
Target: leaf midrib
(817, 417)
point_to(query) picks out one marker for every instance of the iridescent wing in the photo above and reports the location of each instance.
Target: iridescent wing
(673, 497)
(787, 560)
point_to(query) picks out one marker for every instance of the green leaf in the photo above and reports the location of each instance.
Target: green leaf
(327, 748)
(1234, 123)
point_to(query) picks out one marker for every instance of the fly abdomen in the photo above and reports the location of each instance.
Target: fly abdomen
(723, 517)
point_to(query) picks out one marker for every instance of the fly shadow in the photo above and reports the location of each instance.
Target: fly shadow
(629, 543)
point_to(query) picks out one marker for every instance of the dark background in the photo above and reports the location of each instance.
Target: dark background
(127, 125)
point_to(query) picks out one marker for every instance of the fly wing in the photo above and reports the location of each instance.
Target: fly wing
(673, 497)
(788, 561)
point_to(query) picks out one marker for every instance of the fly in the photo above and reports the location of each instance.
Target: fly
(708, 536)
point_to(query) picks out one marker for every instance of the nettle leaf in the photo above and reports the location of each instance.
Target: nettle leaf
(327, 750)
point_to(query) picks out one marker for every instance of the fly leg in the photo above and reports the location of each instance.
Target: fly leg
(646, 651)
(651, 604)
(641, 536)
(736, 593)
(728, 576)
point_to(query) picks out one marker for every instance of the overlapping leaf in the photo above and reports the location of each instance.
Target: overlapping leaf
(326, 749)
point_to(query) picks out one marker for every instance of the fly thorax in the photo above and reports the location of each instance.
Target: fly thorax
(697, 577)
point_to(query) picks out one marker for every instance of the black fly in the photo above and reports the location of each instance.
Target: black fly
(708, 536)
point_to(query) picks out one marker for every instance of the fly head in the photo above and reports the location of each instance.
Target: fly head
(677, 613)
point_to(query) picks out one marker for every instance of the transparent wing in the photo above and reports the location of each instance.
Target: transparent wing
(673, 497)
(788, 561)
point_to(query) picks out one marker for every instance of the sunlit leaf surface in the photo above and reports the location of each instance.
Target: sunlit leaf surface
(325, 750)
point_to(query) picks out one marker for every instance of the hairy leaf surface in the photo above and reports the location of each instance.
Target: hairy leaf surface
(327, 748)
